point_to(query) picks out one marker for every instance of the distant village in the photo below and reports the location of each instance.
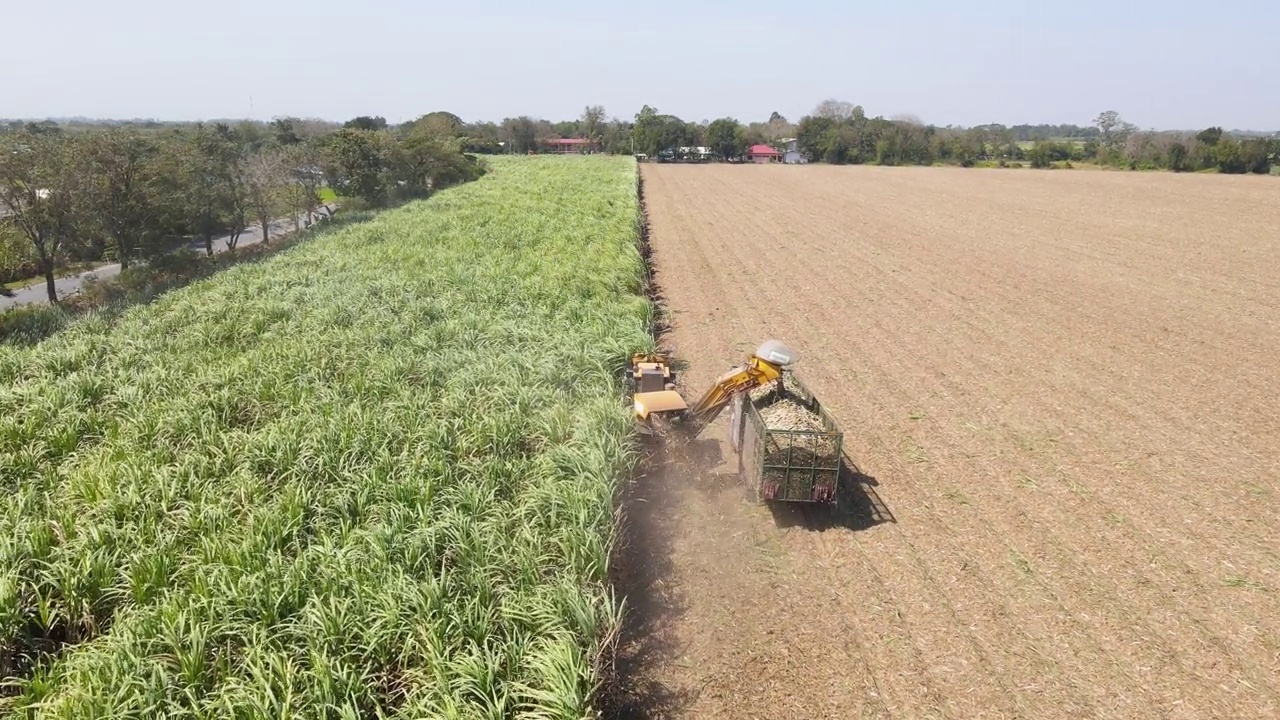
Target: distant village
(761, 154)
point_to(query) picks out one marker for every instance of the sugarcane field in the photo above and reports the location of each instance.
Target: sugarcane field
(599, 419)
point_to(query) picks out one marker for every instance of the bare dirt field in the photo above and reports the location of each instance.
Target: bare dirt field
(1061, 392)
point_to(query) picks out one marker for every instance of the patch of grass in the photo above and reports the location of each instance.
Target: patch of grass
(1237, 581)
(1078, 488)
(30, 325)
(1022, 564)
(912, 451)
(956, 497)
(372, 475)
(327, 195)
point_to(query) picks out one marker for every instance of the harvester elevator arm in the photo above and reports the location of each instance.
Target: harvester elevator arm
(744, 378)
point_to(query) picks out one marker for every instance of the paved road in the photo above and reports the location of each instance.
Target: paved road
(36, 294)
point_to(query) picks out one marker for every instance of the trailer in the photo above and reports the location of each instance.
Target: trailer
(789, 449)
(789, 463)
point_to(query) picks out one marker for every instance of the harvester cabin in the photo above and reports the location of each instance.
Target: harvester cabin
(763, 154)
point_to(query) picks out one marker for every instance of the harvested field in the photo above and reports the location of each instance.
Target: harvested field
(1060, 391)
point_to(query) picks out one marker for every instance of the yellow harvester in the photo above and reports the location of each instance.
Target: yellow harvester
(654, 393)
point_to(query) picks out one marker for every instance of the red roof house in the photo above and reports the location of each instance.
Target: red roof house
(763, 154)
(569, 146)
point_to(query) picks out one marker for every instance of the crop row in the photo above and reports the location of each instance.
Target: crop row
(372, 476)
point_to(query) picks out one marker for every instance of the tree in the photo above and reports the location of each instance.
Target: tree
(44, 127)
(263, 178)
(839, 110)
(237, 196)
(41, 185)
(814, 136)
(1176, 156)
(1114, 129)
(251, 136)
(647, 132)
(520, 134)
(481, 137)
(283, 132)
(365, 122)
(208, 160)
(655, 133)
(1229, 158)
(726, 138)
(691, 134)
(133, 190)
(430, 162)
(1210, 136)
(301, 164)
(776, 129)
(357, 164)
(438, 123)
(1256, 154)
(565, 128)
(592, 123)
(1039, 154)
(616, 137)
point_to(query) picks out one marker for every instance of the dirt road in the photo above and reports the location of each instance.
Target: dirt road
(1063, 393)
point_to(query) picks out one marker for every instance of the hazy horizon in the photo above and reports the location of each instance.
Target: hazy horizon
(1001, 63)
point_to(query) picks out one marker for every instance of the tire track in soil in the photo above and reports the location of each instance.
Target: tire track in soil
(913, 654)
(893, 602)
(946, 529)
(707, 678)
(929, 656)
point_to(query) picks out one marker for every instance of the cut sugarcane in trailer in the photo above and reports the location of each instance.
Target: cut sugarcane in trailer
(789, 448)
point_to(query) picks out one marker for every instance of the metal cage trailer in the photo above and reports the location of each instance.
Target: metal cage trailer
(786, 465)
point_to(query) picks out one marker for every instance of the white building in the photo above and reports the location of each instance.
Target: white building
(791, 152)
(697, 153)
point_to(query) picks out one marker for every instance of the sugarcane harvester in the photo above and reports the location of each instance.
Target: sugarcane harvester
(799, 464)
(654, 391)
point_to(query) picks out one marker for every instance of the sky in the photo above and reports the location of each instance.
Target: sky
(1175, 64)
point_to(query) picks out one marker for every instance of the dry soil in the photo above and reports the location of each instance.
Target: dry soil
(1061, 393)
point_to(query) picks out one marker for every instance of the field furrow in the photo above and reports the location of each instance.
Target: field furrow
(1064, 387)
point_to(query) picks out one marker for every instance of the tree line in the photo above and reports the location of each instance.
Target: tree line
(130, 191)
(840, 132)
(130, 194)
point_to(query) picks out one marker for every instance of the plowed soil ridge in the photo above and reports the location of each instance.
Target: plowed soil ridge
(1061, 397)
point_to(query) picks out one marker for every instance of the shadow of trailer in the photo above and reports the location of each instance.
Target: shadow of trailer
(785, 464)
